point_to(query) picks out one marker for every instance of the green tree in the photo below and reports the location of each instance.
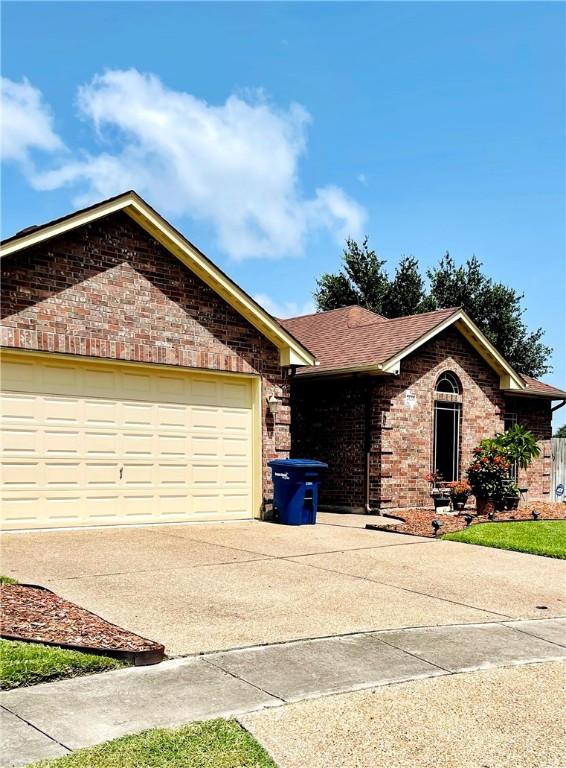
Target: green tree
(405, 294)
(360, 281)
(561, 431)
(496, 309)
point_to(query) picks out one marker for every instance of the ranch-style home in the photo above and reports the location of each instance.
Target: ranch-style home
(141, 385)
(392, 400)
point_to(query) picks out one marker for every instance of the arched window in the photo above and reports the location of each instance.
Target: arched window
(447, 417)
(447, 382)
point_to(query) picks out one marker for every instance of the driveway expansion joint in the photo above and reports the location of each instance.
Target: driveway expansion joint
(36, 728)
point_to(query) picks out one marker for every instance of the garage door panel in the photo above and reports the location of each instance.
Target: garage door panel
(100, 412)
(90, 445)
(19, 475)
(18, 407)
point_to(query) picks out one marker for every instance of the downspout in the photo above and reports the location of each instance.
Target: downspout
(556, 407)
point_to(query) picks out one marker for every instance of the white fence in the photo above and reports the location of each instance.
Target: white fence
(558, 472)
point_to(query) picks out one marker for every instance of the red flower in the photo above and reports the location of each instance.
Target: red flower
(485, 460)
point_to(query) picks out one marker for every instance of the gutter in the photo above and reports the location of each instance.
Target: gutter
(556, 407)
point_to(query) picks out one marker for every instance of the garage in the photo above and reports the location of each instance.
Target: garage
(139, 383)
(89, 442)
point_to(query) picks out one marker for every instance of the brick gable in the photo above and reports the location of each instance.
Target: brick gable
(110, 290)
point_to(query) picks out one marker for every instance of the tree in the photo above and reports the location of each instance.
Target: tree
(405, 294)
(561, 431)
(495, 308)
(360, 281)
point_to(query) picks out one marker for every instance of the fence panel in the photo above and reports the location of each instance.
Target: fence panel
(558, 476)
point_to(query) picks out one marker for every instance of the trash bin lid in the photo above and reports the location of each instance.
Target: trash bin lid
(306, 463)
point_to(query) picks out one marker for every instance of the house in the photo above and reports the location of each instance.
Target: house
(135, 377)
(392, 400)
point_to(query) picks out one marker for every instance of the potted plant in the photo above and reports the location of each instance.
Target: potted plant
(440, 495)
(488, 475)
(460, 490)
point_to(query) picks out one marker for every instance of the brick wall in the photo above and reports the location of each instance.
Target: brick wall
(407, 433)
(535, 415)
(108, 289)
(329, 425)
(330, 421)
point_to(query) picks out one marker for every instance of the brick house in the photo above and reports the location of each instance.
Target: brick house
(391, 400)
(135, 377)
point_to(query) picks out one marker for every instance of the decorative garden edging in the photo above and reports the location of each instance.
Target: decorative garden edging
(33, 613)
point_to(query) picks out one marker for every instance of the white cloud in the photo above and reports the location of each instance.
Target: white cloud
(26, 122)
(233, 166)
(285, 309)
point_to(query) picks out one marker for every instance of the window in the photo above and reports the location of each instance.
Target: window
(509, 420)
(447, 417)
(447, 382)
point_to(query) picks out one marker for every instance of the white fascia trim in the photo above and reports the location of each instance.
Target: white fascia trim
(508, 377)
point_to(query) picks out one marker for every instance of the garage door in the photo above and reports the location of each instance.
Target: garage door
(93, 443)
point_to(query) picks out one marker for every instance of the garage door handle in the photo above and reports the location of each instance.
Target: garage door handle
(121, 472)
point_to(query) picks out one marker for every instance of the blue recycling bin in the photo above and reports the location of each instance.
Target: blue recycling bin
(295, 489)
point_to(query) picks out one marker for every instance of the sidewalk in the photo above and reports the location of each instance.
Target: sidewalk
(55, 718)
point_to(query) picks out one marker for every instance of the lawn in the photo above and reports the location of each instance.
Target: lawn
(210, 744)
(543, 537)
(30, 663)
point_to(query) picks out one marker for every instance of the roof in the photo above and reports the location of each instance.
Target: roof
(292, 350)
(541, 388)
(354, 336)
(353, 339)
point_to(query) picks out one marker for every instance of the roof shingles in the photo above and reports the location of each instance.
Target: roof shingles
(354, 337)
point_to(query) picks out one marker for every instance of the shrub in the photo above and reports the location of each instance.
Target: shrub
(488, 474)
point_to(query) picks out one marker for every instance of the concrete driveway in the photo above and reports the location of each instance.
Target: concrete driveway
(199, 588)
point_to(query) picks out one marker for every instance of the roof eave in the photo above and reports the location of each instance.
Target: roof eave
(509, 379)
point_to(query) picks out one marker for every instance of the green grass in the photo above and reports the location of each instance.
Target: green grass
(7, 580)
(30, 663)
(544, 537)
(210, 744)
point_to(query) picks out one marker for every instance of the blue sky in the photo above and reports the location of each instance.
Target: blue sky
(266, 132)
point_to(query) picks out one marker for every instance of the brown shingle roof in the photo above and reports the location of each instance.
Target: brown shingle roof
(541, 388)
(355, 337)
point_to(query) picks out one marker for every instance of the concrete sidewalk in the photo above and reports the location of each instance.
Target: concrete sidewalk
(56, 718)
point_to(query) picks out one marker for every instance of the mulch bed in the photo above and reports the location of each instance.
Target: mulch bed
(418, 522)
(36, 614)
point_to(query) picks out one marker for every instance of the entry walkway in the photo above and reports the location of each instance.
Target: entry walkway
(53, 719)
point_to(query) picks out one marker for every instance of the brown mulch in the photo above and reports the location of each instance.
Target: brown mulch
(36, 614)
(418, 522)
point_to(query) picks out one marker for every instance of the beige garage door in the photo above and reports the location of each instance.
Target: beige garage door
(93, 443)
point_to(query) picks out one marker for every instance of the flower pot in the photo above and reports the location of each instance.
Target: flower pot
(441, 502)
(500, 505)
(511, 502)
(485, 506)
(459, 501)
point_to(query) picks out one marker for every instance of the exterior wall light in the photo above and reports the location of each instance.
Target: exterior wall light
(273, 404)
